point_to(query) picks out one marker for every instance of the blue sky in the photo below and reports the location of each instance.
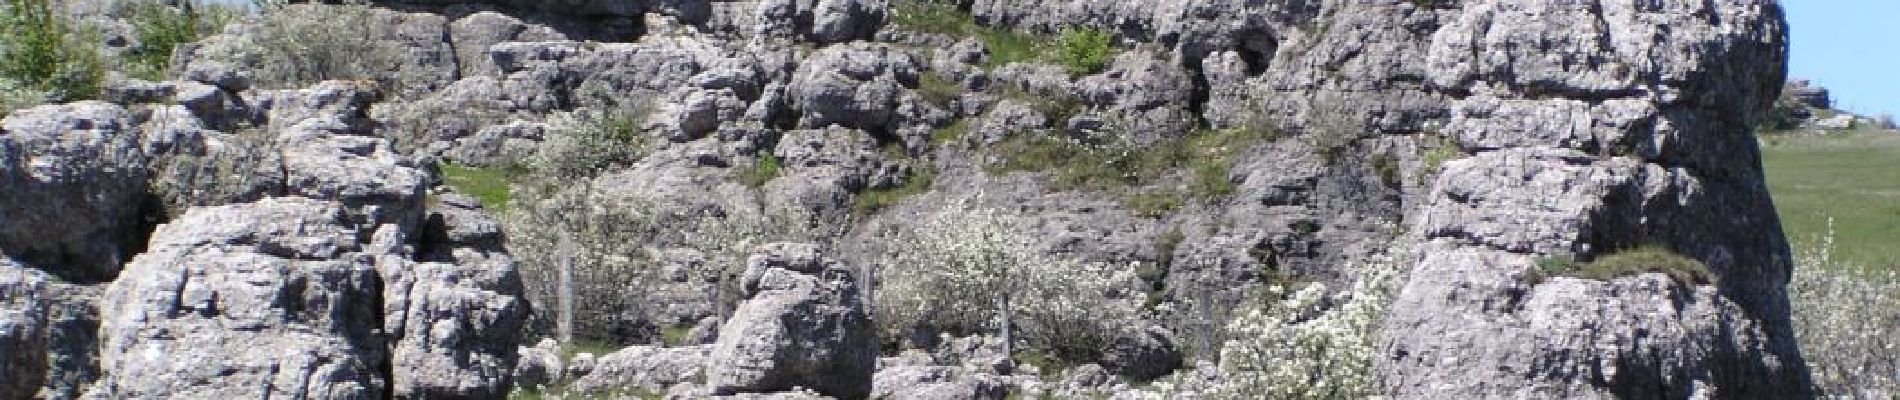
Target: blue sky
(1850, 46)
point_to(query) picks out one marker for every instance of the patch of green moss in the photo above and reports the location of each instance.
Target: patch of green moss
(955, 131)
(1637, 261)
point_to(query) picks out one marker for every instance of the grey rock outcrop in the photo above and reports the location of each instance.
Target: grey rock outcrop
(935, 383)
(651, 368)
(72, 187)
(24, 331)
(854, 85)
(1636, 147)
(803, 325)
(455, 326)
(344, 313)
(1809, 94)
(265, 299)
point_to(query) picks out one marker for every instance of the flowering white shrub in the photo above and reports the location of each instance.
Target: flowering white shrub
(965, 270)
(1847, 319)
(1312, 344)
(582, 143)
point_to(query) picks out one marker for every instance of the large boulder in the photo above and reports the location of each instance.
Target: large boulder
(1646, 143)
(803, 325)
(72, 189)
(455, 327)
(256, 300)
(854, 85)
(821, 21)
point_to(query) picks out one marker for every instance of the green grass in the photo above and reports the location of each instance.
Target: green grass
(938, 89)
(1081, 50)
(1637, 261)
(1009, 46)
(1154, 204)
(956, 131)
(930, 16)
(1851, 177)
(674, 335)
(492, 186)
(1208, 157)
(764, 170)
(877, 199)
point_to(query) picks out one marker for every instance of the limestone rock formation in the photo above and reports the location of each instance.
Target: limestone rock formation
(1584, 160)
(309, 248)
(73, 179)
(24, 331)
(803, 325)
(265, 299)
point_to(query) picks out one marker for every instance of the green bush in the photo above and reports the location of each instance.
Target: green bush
(47, 58)
(1085, 51)
(160, 28)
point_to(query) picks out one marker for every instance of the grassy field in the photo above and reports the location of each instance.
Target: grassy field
(1853, 178)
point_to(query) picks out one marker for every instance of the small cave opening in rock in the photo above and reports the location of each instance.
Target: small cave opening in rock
(1257, 49)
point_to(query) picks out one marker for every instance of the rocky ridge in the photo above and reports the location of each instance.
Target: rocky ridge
(216, 213)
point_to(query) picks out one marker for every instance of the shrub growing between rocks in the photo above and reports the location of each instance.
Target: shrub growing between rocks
(299, 45)
(584, 142)
(47, 58)
(965, 270)
(161, 28)
(1085, 51)
(1314, 343)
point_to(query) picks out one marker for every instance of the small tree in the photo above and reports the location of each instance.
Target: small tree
(964, 270)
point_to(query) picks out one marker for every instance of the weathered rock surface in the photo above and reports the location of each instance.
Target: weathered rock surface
(1638, 145)
(265, 299)
(24, 330)
(457, 327)
(803, 325)
(650, 368)
(343, 314)
(935, 383)
(72, 187)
